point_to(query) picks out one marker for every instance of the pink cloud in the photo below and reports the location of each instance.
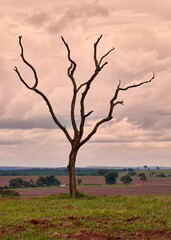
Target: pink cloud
(141, 34)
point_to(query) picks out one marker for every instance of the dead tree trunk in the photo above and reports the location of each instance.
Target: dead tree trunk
(79, 139)
(71, 171)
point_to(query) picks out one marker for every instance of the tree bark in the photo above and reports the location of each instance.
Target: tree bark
(71, 171)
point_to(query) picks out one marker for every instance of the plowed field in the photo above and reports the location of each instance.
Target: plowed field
(156, 186)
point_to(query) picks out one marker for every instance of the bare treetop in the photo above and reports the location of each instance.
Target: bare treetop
(78, 140)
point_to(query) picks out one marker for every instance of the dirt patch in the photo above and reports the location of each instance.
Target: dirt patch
(69, 207)
(45, 223)
(82, 234)
(132, 219)
(117, 235)
(11, 229)
(151, 234)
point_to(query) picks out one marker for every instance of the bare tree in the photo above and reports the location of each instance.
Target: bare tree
(78, 140)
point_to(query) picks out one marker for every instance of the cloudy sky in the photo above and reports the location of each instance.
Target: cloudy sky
(140, 31)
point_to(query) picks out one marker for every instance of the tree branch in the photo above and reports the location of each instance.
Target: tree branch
(73, 65)
(137, 85)
(106, 55)
(40, 93)
(53, 115)
(28, 64)
(95, 51)
(111, 108)
(88, 114)
(22, 80)
(81, 85)
(71, 71)
(98, 68)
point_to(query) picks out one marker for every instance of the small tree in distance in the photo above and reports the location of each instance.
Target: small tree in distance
(78, 139)
(16, 183)
(143, 178)
(79, 181)
(126, 179)
(141, 174)
(110, 177)
(132, 174)
(47, 181)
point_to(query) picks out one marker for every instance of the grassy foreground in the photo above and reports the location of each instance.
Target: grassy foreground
(112, 217)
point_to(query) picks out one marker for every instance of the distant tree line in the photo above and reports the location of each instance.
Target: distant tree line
(81, 172)
(41, 182)
(132, 172)
(48, 171)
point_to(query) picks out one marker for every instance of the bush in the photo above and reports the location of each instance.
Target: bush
(126, 179)
(16, 183)
(52, 181)
(110, 177)
(41, 182)
(47, 181)
(141, 174)
(79, 180)
(132, 174)
(143, 178)
(161, 175)
(8, 193)
(79, 195)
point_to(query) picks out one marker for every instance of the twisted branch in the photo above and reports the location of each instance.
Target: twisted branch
(111, 107)
(71, 71)
(98, 68)
(34, 88)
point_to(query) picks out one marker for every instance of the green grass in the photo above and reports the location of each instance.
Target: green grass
(59, 217)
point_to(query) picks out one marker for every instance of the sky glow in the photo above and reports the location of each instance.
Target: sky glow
(140, 31)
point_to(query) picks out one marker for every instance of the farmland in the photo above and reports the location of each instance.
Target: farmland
(96, 185)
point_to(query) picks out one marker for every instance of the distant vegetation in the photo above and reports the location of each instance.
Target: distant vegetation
(110, 177)
(126, 179)
(41, 182)
(85, 172)
(8, 193)
(54, 171)
(48, 171)
(47, 181)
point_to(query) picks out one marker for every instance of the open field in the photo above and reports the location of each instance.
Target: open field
(99, 190)
(107, 218)
(4, 180)
(155, 186)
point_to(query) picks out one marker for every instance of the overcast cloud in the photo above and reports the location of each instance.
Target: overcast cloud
(140, 31)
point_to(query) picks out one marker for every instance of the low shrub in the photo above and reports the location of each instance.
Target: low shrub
(126, 179)
(8, 193)
(79, 195)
